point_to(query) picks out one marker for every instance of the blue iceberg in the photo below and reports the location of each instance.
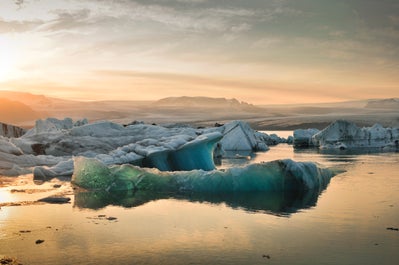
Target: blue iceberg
(278, 175)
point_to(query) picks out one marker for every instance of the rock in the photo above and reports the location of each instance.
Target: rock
(55, 200)
(39, 241)
(9, 261)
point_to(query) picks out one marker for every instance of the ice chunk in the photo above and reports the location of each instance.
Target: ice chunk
(98, 129)
(7, 147)
(239, 136)
(90, 173)
(50, 125)
(303, 137)
(8, 130)
(346, 135)
(63, 168)
(277, 175)
(81, 122)
(196, 154)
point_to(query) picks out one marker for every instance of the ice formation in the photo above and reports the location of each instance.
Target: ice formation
(303, 137)
(279, 175)
(238, 136)
(10, 130)
(346, 135)
(343, 134)
(48, 148)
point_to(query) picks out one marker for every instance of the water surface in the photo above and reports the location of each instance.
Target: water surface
(345, 224)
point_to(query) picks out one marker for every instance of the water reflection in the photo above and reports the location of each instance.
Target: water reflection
(235, 158)
(276, 203)
(351, 151)
(342, 156)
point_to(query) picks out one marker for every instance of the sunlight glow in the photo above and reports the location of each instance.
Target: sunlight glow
(7, 58)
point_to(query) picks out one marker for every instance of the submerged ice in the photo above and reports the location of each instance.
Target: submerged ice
(279, 175)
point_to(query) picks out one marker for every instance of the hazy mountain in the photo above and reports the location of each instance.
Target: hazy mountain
(206, 102)
(15, 112)
(26, 98)
(23, 109)
(389, 103)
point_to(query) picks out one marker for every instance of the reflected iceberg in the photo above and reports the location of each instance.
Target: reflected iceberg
(280, 203)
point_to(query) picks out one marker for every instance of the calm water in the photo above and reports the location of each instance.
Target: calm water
(346, 224)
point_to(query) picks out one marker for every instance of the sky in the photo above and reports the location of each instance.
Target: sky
(258, 51)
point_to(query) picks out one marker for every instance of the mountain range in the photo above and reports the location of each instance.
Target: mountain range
(23, 109)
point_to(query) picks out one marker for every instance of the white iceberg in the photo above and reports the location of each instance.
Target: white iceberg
(346, 135)
(47, 149)
(8, 130)
(239, 136)
(303, 137)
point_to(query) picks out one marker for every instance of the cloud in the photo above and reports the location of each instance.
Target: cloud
(271, 40)
(18, 26)
(394, 20)
(19, 3)
(67, 20)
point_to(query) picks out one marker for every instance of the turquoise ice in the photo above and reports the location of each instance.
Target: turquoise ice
(278, 175)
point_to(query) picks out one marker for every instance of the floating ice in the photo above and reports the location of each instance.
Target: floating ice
(7, 147)
(346, 135)
(279, 175)
(303, 137)
(47, 148)
(239, 136)
(8, 130)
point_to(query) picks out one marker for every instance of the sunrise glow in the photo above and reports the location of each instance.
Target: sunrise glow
(258, 51)
(7, 58)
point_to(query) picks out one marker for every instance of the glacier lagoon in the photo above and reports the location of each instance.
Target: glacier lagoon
(346, 223)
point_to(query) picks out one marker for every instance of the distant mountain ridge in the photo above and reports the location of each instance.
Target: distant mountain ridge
(389, 103)
(26, 98)
(15, 111)
(23, 109)
(205, 102)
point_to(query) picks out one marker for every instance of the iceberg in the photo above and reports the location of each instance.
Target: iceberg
(8, 130)
(48, 148)
(346, 135)
(239, 136)
(278, 175)
(7, 147)
(303, 137)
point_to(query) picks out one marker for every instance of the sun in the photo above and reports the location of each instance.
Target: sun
(7, 58)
